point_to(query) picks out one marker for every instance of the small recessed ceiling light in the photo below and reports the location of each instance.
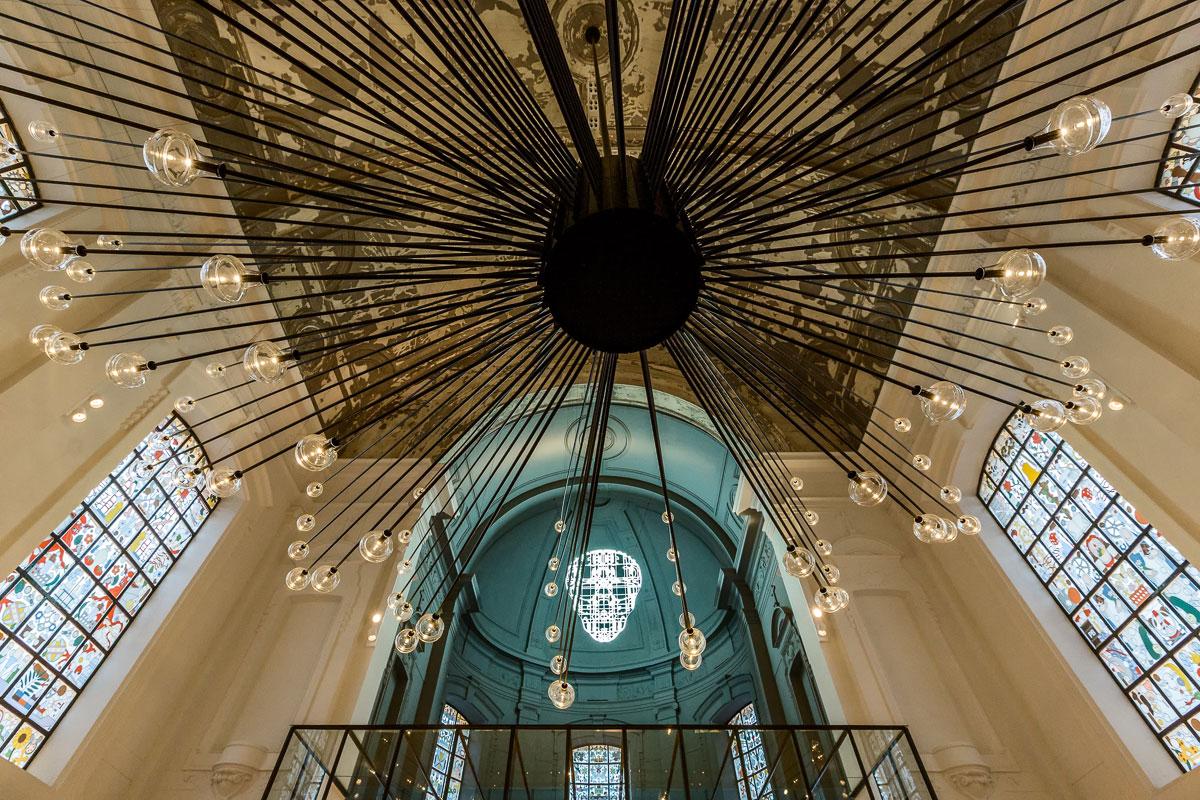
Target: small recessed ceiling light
(1115, 404)
(371, 638)
(96, 402)
(376, 617)
(821, 632)
(818, 612)
(79, 416)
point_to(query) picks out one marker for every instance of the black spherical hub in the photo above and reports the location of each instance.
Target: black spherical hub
(622, 279)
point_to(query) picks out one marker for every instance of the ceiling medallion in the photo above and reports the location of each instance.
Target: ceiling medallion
(409, 262)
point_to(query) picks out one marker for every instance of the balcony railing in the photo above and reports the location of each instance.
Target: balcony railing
(531, 762)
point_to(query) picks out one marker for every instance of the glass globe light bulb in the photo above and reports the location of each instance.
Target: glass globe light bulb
(552, 564)
(560, 526)
(296, 579)
(315, 452)
(418, 493)
(951, 494)
(403, 612)
(943, 401)
(1060, 335)
(305, 523)
(1176, 239)
(225, 278)
(430, 628)
(55, 298)
(553, 632)
(1084, 410)
(404, 536)
(811, 517)
(1075, 366)
(172, 157)
(930, 528)
(65, 348)
(298, 551)
(823, 547)
(969, 524)
(667, 517)
(557, 664)
(1034, 306)
(223, 482)
(406, 641)
(671, 554)
(796, 482)
(127, 370)
(562, 694)
(404, 567)
(325, 578)
(314, 489)
(264, 362)
(902, 424)
(42, 131)
(678, 589)
(832, 573)
(1178, 105)
(9, 154)
(1048, 415)
(831, 599)
(1080, 123)
(1018, 273)
(375, 546)
(395, 600)
(692, 641)
(688, 622)
(186, 476)
(214, 370)
(47, 249)
(690, 662)
(551, 589)
(1090, 387)
(867, 489)
(80, 270)
(922, 462)
(41, 334)
(185, 404)
(799, 562)
(106, 242)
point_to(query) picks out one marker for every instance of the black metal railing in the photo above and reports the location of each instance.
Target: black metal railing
(537, 762)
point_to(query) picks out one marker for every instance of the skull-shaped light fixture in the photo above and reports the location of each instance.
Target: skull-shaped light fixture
(605, 596)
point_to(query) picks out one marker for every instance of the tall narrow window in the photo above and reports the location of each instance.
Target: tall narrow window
(1130, 594)
(1177, 173)
(63, 609)
(749, 757)
(596, 773)
(17, 191)
(449, 756)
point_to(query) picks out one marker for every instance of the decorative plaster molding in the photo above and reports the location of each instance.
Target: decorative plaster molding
(973, 780)
(229, 779)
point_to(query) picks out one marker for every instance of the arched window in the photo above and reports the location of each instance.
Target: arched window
(596, 773)
(1130, 594)
(1177, 174)
(449, 756)
(63, 609)
(750, 757)
(18, 192)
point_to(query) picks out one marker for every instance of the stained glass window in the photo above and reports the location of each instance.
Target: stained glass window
(63, 609)
(1130, 594)
(750, 758)
(596, 773)
(18, 193)
(1177, 174)
(449, 756)
(604, 596)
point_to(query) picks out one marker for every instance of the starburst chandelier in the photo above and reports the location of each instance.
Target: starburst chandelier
(458, 235)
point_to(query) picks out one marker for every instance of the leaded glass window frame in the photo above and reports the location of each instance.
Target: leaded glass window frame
(449, 757)
(1178, 173)
(1126, 589)
(18, 188)
(66, 606)
(749, 756)
(597, 772)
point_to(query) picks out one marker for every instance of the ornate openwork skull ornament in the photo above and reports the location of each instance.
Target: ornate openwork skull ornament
(605, 596)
